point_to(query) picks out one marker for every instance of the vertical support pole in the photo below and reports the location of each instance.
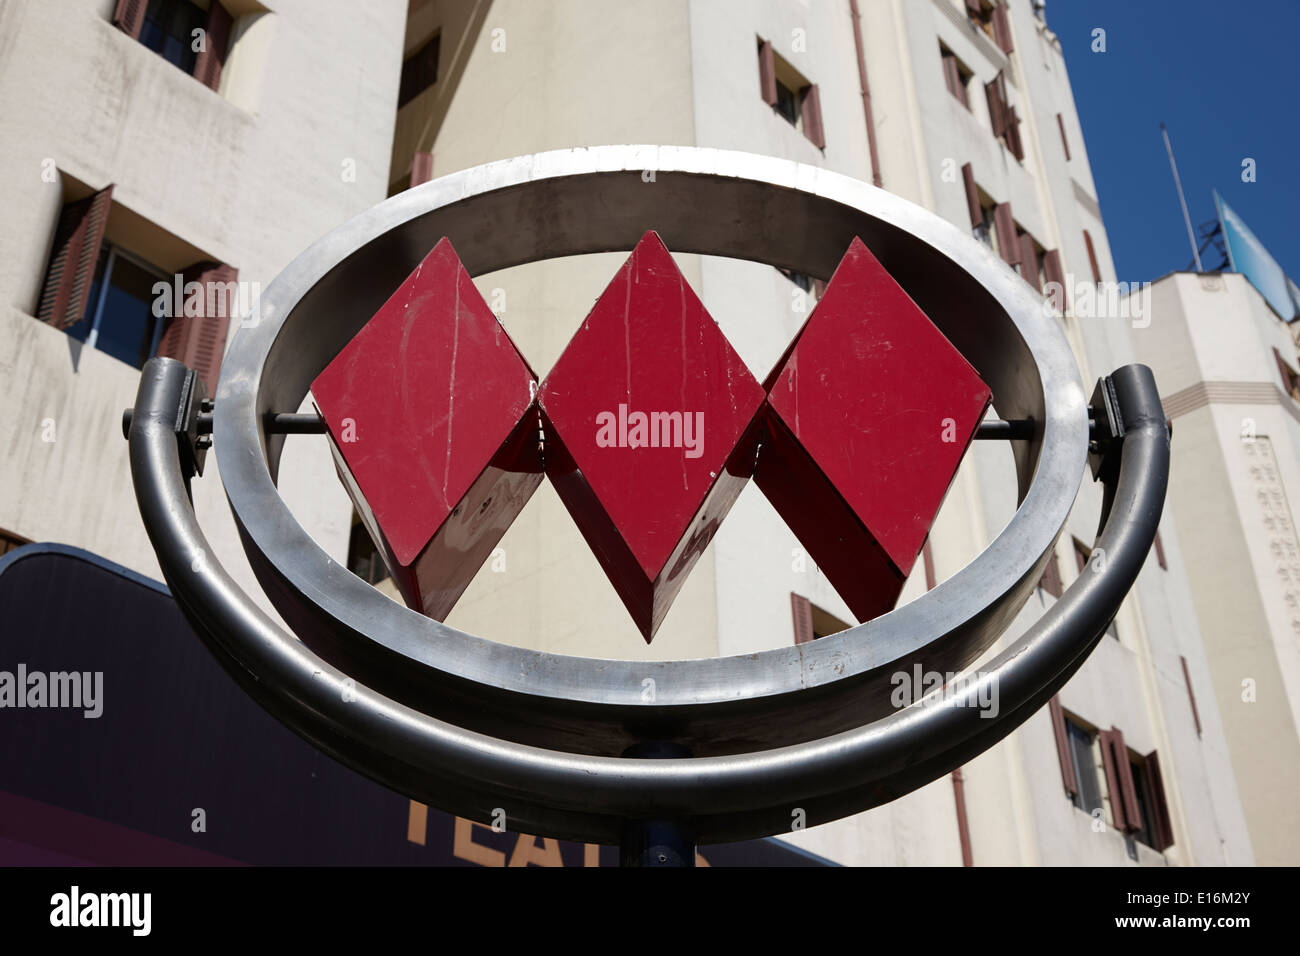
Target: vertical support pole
(657, 843)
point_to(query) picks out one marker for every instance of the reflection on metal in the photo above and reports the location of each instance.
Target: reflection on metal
(806, 732)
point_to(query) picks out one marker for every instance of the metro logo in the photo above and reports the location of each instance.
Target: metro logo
(650, 425)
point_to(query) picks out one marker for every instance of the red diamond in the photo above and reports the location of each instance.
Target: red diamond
(650, 422)
(868, 416)
(431, 419)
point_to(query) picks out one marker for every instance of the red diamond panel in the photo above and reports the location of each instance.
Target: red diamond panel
(868, 416)
(431, 418)
(650, 420)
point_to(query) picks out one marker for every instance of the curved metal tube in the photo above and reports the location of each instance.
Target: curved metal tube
(587, 798)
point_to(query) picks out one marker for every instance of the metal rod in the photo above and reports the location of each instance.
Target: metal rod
(656, 843)
(1182, 201)
(309, 423)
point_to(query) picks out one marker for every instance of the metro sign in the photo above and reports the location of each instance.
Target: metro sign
(649, 425)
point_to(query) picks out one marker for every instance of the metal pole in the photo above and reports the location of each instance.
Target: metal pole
(657, 843)
(1182, 201)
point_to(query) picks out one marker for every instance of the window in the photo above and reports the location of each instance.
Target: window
(1134, 788)
(1031, 260)
(991, 17)
(1085, 758)
(790, 95)
(956, 74)
(419, 71)
(1092, 257)
(1082, 555)
(10, 542)
(119, 317)
(1065, 142)
(364, 559)
(193, 35)
(811, 622)
(120, 302)
(1289, 376)
(801, 279)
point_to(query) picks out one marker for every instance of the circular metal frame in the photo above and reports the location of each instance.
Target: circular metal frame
(714, 202)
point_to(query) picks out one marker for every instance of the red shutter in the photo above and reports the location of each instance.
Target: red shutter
(128, 16)
(819, 289)
(928, 557)
(1055, 279)
(77, 239)
(1118, 817)
(972, 196)
(767, 72)
(1187, 679)
(1080, 555)
(1122, 793)
(1051, 579)
(1005, 223)
(974, 7)
(997, 106)
(216, 41)
(1164, 835)
(1062, 735)
(1029, 261)
(1002, 28)
(1013, 134)
(1160, 553)
(952, 74)
(811, 110)
(1060, 124)
(1092, 256)
(421, 168)
(200, 340)
(801, 607)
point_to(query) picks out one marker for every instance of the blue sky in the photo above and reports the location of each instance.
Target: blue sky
(1225, 78)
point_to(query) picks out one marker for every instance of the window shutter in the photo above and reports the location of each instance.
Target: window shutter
(1080, 555)
(974, 7)
(1060, 124)
(421, 168)
(1160, 553)
(128, 16)
(1055, 279)
(200, 340)
(1284, 370)
(1119, 777)
(207, 68)
(1051, 579)
(803, 623)
(819, 289)
(1005, 224)
(1063, 747)
(972, 196)
(812, 116)
(928, 557)
(77, 239)
(1013, 134)
(1092, 256)
(1002, 29)
(1029, 261)
(1191, 696)
(767, 72)
(997, 106)
(1164, 835)
(1118, 817)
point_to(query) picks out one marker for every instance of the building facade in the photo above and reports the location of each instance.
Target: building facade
(1227, 365)
(319, 110)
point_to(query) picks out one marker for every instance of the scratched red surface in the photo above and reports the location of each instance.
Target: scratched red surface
(649, 348)
(884, 406)
(438, 401)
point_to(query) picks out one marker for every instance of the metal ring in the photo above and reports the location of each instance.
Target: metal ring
(713, 202)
